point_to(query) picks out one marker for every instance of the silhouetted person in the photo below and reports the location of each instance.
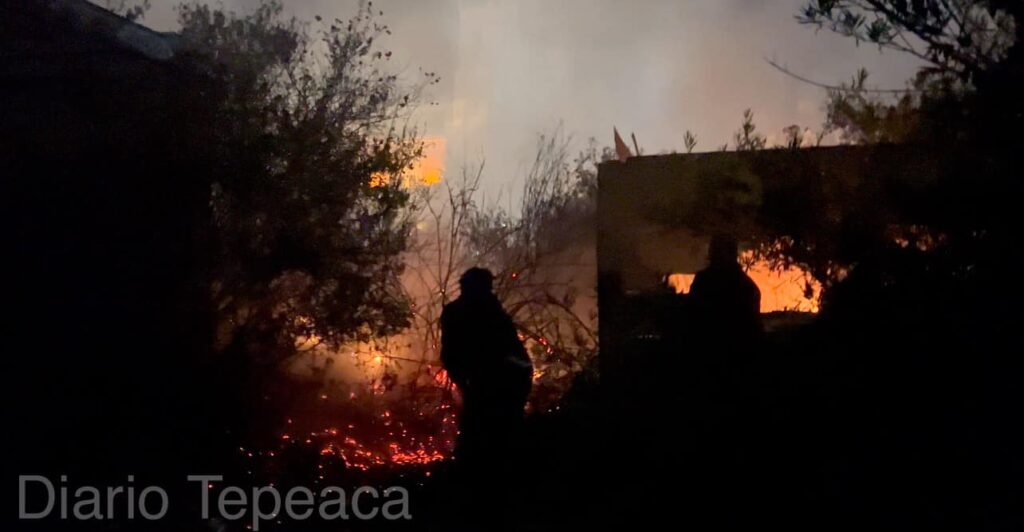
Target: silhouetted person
(725, 302)
(484, 357)
(724, 328)
(724, 308)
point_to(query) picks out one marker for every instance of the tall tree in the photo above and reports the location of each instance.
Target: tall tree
(307, 142)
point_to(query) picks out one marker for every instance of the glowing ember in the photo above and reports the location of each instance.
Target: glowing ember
(395, 438)
(408, 451)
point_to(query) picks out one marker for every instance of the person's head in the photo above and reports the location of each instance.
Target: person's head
(723, 251)
(476, 282)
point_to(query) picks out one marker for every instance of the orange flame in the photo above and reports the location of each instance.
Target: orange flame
(427, 170)
(789, 289)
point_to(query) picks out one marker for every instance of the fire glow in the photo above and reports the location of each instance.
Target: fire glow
(401, 446)
(388, 442)
(788, 289)
(427, 170)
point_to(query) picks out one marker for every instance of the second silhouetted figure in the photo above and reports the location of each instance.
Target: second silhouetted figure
(725, 310)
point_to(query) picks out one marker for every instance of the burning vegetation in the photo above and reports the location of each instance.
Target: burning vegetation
(385, 401)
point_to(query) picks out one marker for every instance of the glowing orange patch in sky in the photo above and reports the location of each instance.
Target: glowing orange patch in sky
(428, 169)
